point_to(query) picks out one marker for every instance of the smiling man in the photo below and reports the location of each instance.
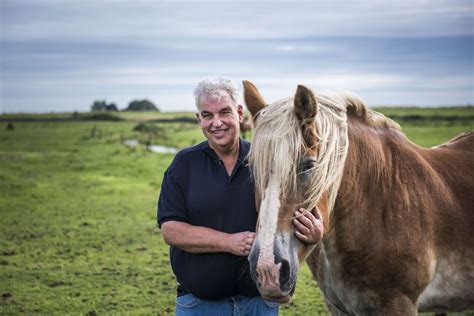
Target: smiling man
(207, 213)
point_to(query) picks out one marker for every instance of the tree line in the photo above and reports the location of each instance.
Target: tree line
(135, 105)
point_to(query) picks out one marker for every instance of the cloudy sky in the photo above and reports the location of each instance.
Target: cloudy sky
(61, 55)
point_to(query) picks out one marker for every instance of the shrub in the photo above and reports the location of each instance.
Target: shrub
(142, 105)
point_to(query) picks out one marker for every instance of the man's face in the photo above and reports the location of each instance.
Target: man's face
(220, 122)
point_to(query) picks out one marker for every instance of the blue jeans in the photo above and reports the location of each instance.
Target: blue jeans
(190, 305)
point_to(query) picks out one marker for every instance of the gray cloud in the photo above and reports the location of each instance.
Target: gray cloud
(61, 55)
(155, 20)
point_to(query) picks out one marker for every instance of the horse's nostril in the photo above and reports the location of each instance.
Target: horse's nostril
(284, 273)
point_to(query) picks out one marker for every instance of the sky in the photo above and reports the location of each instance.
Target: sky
(60, 56)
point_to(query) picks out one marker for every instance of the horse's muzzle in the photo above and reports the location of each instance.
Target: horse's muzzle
(274, 274)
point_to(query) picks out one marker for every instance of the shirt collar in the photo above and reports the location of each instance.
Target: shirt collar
(244, 148)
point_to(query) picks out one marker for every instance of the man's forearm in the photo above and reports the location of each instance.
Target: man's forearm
(195, 239)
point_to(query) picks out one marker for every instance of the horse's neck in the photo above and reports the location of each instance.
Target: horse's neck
(377, 161)
(375, 201)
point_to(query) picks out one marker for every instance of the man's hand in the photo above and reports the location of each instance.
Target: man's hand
(240, 244)
(309, 226)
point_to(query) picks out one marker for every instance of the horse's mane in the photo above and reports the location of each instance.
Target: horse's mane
(357, 108)
(279, 142)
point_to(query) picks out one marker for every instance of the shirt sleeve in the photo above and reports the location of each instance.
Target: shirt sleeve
(171, 203)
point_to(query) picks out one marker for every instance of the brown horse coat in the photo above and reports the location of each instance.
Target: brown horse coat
(401, 231)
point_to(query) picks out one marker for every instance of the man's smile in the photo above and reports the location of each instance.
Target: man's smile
(219, 132)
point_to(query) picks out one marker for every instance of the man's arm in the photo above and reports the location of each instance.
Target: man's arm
(198, 239)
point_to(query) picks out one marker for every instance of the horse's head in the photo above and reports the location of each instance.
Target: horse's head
(289, 173)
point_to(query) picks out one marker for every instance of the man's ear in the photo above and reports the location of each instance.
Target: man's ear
(198, 118)
(240, 111)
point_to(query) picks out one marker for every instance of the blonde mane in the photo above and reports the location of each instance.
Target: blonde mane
(356, 107)
(278, 142)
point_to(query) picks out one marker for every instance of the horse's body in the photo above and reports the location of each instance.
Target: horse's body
(399, 219)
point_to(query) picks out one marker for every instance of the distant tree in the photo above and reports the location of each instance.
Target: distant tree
(99, 106)
(111, 108)
(102, 106)
(142, 105)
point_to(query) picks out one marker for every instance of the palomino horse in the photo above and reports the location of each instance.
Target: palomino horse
(398, 218)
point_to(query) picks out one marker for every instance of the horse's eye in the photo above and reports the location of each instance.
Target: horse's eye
(307, 164)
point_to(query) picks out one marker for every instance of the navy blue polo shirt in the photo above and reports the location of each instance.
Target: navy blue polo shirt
(196, 189)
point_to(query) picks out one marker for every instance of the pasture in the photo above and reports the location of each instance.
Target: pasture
(78, 230)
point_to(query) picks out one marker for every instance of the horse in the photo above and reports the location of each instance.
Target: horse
(398, 218)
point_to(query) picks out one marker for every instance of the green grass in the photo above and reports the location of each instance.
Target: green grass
(129, 116)
(428, 136)
(78, 228)
(435, 111)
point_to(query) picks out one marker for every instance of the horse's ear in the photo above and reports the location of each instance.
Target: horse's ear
(253, 99)
(306, 108)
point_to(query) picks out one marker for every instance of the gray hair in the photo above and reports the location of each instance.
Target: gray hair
(216, 88)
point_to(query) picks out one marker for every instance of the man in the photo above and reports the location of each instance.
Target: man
(207, 214)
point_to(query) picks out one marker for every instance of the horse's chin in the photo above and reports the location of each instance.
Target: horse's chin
(279, 299)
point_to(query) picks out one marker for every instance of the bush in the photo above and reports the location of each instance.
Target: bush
(148, 128)
(142, 105)
(102, 106)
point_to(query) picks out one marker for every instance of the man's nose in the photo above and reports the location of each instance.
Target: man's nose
(217, 122)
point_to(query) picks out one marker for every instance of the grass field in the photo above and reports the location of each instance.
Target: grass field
(78, 230)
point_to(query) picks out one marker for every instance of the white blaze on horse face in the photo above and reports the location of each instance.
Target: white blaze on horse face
(268, 271)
